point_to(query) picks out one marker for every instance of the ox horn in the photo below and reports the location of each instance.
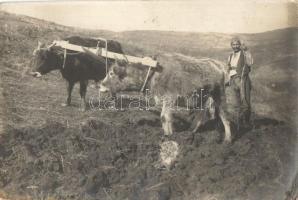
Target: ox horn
(39, 45)
(51, 45)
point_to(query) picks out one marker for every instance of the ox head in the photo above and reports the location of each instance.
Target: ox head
(44, 60)
(123, 76)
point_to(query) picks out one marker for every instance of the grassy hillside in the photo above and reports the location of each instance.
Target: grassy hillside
(275, 54)
(52, 152)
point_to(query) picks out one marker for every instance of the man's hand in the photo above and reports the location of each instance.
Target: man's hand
(246, 70)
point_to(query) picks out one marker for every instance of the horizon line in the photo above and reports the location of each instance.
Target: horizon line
(146, 30)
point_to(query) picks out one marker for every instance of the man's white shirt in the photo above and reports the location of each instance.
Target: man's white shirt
(234, 61)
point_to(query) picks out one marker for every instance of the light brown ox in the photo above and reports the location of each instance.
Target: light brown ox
(176, 75)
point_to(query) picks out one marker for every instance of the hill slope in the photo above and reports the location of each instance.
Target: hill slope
(48, 151)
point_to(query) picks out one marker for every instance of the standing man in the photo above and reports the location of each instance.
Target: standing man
(238, 90)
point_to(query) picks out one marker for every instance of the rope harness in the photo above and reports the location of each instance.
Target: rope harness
(106, 49)
(64, 58)
(146, 79)
(65, 53)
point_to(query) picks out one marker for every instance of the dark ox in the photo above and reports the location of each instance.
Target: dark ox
(75, 67)
(176, 76)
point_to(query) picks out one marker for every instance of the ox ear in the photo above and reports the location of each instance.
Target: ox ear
(116, 61)
(40, 45)
(120, 71)
(120, 62)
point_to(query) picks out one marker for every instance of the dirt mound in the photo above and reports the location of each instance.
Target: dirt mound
(101, 160)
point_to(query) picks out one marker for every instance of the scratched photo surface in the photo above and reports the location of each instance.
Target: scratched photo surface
(148, 100)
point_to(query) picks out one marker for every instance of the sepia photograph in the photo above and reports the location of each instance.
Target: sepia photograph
(149, 100)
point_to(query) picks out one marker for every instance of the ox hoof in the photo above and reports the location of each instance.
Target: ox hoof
(195, 130)
(83, 109)
(92, 86)
(168, 133)
(228, 140)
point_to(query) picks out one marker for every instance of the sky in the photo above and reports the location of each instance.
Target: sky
(229, 16)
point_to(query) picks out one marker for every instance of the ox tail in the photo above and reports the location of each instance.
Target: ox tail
(221, 101)
(223, 82)
(221, 88)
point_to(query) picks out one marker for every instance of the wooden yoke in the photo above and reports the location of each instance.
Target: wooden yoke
(147, 61)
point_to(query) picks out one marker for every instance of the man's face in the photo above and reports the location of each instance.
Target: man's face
(235, 46)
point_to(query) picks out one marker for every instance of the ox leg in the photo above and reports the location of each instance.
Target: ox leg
(97, 85)
(166, 119)
(200, 122)
(209, 113)
(198, 125)
(83, 91)
(69, 91)
(202, 118)
(227, 126)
